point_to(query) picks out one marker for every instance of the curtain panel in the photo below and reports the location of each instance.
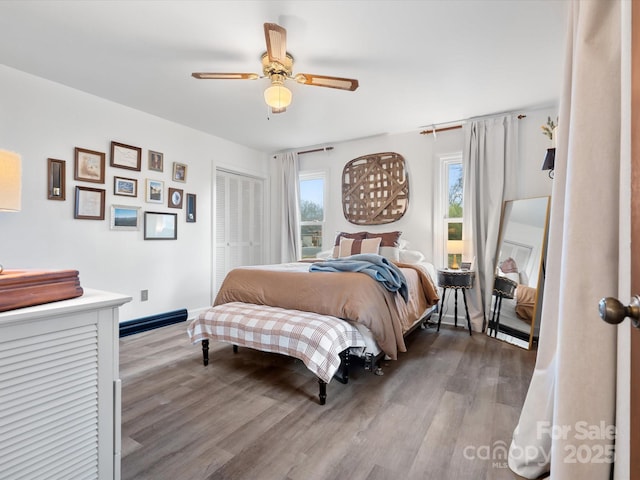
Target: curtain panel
(491, 146)
(572, 390)
(289, 199)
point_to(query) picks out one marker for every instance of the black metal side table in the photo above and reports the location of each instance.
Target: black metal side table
(457, 280)
(503, 287)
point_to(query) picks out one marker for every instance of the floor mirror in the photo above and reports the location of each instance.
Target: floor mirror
(520, 272)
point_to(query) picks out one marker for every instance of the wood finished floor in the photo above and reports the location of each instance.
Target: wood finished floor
(256, 416)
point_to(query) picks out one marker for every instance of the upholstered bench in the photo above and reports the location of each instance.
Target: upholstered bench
(322, 342)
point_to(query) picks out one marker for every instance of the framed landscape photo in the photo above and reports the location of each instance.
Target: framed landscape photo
(154, 191)
(126, 156)
(156, 161)
(127, 187)
(89, 203)
(175, 198)
(124, 217)
(179, 172)
(160, 226)
(89, 165)
(191, 208)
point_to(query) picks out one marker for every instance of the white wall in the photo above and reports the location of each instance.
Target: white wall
(41, 119)
(421, 153)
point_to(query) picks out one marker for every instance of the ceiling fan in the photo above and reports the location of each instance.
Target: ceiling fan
(277, 65)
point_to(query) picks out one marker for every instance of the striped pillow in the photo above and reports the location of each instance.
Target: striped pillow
(340, 235)
(353, 246)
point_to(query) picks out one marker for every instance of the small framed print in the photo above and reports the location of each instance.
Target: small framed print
(160, 226)
(191, 208)
(156, 161)
(89, 203)
(154, 191)
(56, 172)
(127, 187)
(126, 156)
(89, 165)
(179, 172)
(175, 198)
(124, 217)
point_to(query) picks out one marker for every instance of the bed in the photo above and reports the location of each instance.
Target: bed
(382, 316)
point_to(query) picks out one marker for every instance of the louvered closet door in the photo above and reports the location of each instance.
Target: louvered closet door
(239, 222)
(52, 395)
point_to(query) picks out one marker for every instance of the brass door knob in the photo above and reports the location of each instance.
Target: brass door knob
(613, 311)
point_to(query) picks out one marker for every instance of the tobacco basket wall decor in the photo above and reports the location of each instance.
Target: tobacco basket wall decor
(375, 189)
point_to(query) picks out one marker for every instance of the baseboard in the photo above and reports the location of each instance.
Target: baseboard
(138, 325)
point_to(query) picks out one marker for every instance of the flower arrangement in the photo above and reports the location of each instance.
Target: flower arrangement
(548, 128)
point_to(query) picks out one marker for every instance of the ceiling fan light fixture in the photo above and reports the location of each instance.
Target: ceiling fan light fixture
(277, 96)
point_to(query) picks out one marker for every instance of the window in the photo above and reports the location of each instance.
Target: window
(453, 217)
(311, 212)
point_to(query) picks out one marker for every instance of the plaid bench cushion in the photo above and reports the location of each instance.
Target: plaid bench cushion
(315, 339)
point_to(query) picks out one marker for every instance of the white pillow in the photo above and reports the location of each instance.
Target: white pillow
(353, 246)
(324, 254)
(511, 276)
(410, 256)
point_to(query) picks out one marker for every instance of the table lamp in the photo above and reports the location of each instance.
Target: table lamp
(455, 248)
(10, 183)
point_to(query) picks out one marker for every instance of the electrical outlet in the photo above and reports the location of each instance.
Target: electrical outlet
(144, 295)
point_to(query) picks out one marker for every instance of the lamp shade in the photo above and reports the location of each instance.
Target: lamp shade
(549, 159)
(455, 247)
(10, 181)
(277, 96)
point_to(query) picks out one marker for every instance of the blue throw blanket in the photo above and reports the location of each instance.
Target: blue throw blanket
(376, 266)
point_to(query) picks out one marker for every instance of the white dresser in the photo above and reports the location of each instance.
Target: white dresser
(60, 389)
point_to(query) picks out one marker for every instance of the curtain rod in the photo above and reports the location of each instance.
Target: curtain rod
(455, 127)
(323, 149)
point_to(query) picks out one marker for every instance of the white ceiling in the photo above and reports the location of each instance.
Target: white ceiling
(418, 62)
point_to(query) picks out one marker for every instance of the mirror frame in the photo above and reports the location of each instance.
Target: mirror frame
(537, 310)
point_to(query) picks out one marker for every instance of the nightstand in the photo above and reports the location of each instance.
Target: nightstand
(456, 280)
(503, 287)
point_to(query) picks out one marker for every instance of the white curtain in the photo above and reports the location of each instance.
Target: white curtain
(287, 164)
(572, 390)
(491, 146)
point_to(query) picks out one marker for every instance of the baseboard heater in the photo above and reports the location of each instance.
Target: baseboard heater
(139, 325)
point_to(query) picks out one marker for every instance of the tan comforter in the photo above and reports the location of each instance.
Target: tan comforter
(348, 295)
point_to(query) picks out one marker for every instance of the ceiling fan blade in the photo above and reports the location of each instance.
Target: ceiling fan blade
(324, 81)
(225, 76)
(276, 38)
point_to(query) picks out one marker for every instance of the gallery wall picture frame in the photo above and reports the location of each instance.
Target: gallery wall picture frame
(126, 187)
(160, 226)
(125, 217)
(156, 161)
(154, 191)
(126, 156)
(175, 198)
(56, 183)
(191, 207)
(89, 203)
(179, 172)
(88, 165)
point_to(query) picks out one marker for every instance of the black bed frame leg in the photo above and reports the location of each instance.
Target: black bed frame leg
(323, 391)
(342, 375)
(235, 349)
(205, 352)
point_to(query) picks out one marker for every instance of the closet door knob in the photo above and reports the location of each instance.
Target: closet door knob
(613, 311)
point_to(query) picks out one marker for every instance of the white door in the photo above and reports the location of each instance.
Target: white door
(239, 222)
